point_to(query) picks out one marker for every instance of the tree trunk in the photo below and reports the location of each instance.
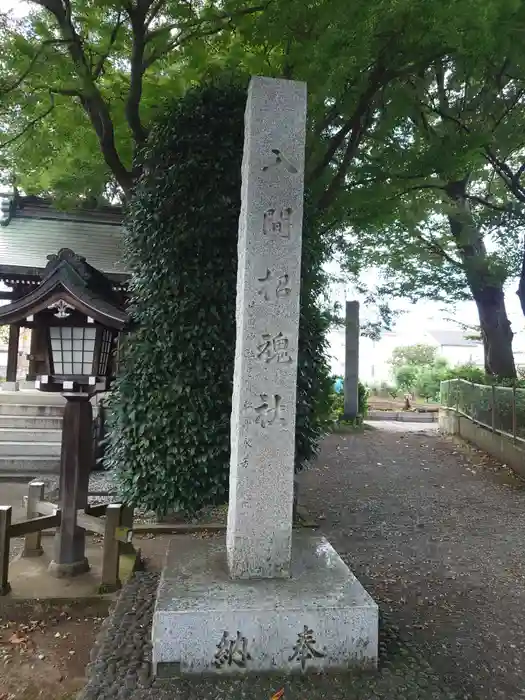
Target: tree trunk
(485, 285)
(496, 332)
(521, 286)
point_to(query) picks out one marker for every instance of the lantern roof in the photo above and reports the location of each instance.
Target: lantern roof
(69, 281)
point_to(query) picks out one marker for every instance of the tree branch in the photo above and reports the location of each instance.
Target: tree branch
(438, 250)
(132, 110)
(31, 124)
(356, 127)
(23, 76)
(506, 174)
(350, 152)
(91, 99)
(99, 67)
(195, 29)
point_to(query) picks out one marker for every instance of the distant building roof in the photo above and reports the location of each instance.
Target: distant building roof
(456, 339)
(31, 228)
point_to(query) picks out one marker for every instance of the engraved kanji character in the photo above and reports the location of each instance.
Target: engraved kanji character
(277, 222)
(231, 651)
(274, 348)
(281, 159)
(304, 648)
(265, 284)
(271, 286)
(282, 286)
(280, 347)
(266, 414)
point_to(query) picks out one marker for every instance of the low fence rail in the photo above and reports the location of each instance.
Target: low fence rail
(498, 408)
(42, 515)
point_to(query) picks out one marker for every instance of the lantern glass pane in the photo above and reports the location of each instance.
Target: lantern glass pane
(73, 350)
(105, 349)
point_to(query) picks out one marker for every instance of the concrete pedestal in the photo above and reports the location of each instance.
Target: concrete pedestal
(10, 386)
(205, 622)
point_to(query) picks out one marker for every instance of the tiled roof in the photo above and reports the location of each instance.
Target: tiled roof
(32, 229)
(454, 339)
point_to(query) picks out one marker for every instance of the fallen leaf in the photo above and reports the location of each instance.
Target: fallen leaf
(17, 639)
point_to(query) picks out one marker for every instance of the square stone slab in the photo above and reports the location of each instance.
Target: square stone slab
(205, 622)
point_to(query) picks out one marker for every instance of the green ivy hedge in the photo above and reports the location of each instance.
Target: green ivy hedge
(169, 422)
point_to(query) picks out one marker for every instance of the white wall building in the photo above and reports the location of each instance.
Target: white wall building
(374, 356)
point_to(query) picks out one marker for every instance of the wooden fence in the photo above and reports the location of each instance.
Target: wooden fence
(116, 528)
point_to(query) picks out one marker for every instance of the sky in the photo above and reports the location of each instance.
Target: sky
(17, 7)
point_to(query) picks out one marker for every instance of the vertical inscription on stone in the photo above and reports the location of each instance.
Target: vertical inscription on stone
(268, 282)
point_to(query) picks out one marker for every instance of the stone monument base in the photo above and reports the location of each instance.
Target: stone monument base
(319, 619)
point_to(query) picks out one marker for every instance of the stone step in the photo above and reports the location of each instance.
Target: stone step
(31, 422)
(32, 398)
(29, 449)
(25, 409)
(45, 435)
(19, 468)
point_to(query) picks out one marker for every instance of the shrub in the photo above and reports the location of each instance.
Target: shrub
(337, 402)
(406, 377)
(428, 381)
(169, 427)
(314, 385)
(392, 391)
(469, 372)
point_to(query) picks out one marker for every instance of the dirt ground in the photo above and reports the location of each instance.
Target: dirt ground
(45, 646)
(433, 528)
(435, 531)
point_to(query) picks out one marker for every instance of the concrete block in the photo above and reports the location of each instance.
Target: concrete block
(10, 386)
(205, 622)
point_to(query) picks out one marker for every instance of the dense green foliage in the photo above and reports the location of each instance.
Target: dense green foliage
(170, 425)
(313, 375)
(423, 371)
(413, 355)
(337, 401)
(418, 370)
(406, 99)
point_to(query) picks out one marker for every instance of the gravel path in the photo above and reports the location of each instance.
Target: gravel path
(434, 531)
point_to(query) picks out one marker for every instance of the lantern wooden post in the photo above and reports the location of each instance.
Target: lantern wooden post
(75, 465)
(12, 353)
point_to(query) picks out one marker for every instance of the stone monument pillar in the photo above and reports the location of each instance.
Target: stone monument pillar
(351, 385)
(263, 600)
(259, 535)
